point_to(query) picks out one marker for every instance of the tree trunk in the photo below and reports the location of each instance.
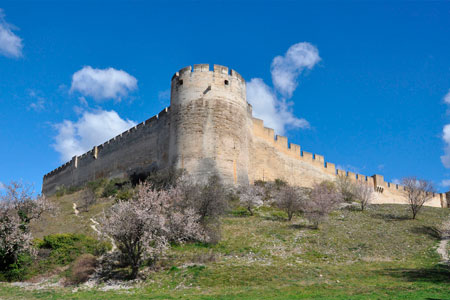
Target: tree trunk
(134, 272)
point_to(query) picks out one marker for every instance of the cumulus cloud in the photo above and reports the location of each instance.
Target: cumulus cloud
(446, 137)
(2, 186)
(445, 183)
(92, 128)
(10, 44)
(268, 107)
(445, 159)
(271, 104)
(447, 97)
(286, 69)
(103, 84)
(396, 181)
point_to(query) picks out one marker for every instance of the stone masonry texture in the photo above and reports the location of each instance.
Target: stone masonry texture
(209, 129)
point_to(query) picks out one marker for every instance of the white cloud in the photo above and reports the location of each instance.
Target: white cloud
(348, 168)
(102, 84)
(396, 181)
(447, 97)
(93, 128)
(39, 103)
(446, 137)
(268, 107)
(445, 159)
(445, 183)
(164, 95)
(276, 112)
(2, 186)
(10, 44)
(286, 69)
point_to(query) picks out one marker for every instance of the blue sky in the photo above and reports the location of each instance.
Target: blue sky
(368, 79)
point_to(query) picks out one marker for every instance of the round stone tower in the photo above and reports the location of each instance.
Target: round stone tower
(210, 124)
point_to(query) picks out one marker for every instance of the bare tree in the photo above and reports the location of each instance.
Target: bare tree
(142, 227)
(291, 200)
(363, 194)
(208, 199)
(18, 207)
(251, 197)
(324, 198)
(417, 193)
(346, 188)
(87, 198)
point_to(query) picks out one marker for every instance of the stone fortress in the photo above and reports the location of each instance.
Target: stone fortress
(209, 129)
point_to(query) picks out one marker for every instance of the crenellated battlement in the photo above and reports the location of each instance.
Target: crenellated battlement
(282, 144)
(216, 71)
(96, 151)
(209, 129)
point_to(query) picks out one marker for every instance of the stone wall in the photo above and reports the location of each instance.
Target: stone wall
(209, 129)
(272, 157)
(136, 150)
(210, 123)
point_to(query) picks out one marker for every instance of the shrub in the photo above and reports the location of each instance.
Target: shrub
(363, 194)
(324, 198)
(17, 209)
(164, 179)
(125, 194)
(87, 198)
(417, 193)
(209, 200)
(143, 226)
(279, 183)
(251, 197)
(346, 188)
(290, 200)
(97, 185)
(18, 270)
(66, 247)
(110, 189)
(260, 183)
(114, 186)
(83, 267)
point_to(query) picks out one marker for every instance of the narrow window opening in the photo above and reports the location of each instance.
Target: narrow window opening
(180, 82)
(226, 82)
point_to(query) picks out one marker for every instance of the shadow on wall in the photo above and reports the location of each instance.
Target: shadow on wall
(207, 168)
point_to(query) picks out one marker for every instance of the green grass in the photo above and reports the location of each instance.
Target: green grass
(376, 254)
(64, 220)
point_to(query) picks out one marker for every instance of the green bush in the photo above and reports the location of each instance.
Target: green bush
(65, 248)
(110, 189)
(117, 186)
(18, 270)
(97, 184)
(125, 194)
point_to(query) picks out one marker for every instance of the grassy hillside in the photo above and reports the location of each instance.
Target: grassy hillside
(376, 254)
(64, 220)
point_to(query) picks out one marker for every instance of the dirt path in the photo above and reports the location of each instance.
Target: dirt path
(442, 250)
(75, 210)
(94, 227)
